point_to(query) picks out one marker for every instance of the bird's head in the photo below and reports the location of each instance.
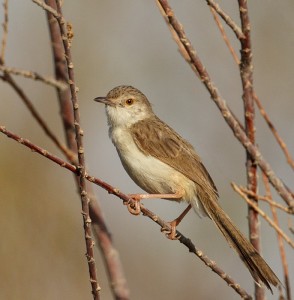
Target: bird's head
(125, 105)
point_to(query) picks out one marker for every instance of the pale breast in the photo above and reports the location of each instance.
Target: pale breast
(148, 172)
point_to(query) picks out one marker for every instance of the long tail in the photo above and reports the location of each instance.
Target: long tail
(258, 268)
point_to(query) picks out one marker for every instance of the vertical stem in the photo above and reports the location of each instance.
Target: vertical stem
(113, 265)
(246, 71)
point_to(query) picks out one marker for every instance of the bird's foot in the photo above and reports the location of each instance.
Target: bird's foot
(134, 208)
(171, 233)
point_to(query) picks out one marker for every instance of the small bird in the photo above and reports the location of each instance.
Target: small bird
(166, 166)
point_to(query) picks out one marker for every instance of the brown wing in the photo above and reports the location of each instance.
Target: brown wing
(153, 137)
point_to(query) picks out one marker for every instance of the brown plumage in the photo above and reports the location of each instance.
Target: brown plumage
(164, 143)
(160, 161)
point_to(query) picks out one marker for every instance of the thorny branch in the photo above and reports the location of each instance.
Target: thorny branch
(246, 73)
(280, 240)
(110, 254)
(263, 214)
(34, 76)
(255, 97)
(80, 149)
(236, 29)
(127, 200)
(5, 31)
(234, 124)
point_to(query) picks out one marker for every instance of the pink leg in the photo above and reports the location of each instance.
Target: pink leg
(171, 233)
(135, 210)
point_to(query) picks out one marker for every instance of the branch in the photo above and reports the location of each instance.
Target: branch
(81, 159)
(280, 239)
(232, 24)
(246, 73)
(35, 76)
(234, 124)
(127, 200)
(5, 31)
(113, 265)
(255, 97)
(68, 153)
(224, 35)
(274, 131)
(264, 215)
(265, 198)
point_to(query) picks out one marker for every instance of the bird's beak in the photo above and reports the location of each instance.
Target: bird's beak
(104, 100)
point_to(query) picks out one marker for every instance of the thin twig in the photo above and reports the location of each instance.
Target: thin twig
(5, 31)
(49, 9)
(280, 239)
(196, 64)
(255, 97)
(265, 198)
(81, 159)
(35, 76)
(274, 131)
(264, 215)
(68, 153)
(111, 258)
(224, 35)
(246, 74)
(232, 24)
(127, 200)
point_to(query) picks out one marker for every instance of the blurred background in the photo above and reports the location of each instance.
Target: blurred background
(127, 42)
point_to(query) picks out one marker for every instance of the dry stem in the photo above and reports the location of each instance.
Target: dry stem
(264, 215)
(234, 124)
(126, 199)
(35, 76)
(280, 239)
(113, 265)
(79, 140)
(5, 31)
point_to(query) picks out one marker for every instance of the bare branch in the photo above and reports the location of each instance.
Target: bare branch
(265, 198)
(274, 131)
(264, 215)
(49, 9)
(224, 35)
(234, 124)
(127, 200)
(255, 97)
(232, 24)
(280, 239)
(79, 140)
(246, 73)
(68, 153)
(35, 76)
(5, 31)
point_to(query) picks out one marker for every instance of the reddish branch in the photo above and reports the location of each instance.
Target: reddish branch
(127, 200)
(246, 72)
(223, 33)
(109, 253)
(255, 97)
(81, 158)
(280, 240)
(236, 29)
(274, 131)
(231, 120)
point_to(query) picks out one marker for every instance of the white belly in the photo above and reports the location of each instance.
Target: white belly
(152, 175)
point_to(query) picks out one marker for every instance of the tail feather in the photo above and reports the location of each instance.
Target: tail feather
(256, 265)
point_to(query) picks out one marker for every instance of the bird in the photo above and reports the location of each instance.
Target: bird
(167, 166)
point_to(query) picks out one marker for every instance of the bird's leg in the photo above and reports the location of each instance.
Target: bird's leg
(135, 210)
(171, 233)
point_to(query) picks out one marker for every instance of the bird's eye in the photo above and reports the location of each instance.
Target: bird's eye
(129, 102)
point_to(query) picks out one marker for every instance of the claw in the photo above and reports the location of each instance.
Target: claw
(170, 233)
(134, 209)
